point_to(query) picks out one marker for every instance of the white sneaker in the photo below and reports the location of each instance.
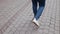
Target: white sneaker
(35, 22)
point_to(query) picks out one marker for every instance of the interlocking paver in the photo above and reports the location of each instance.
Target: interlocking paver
(16, 16)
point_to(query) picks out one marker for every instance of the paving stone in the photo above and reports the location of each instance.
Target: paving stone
(16, 18)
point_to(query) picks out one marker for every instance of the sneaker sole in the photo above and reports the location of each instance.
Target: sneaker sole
(36, 24)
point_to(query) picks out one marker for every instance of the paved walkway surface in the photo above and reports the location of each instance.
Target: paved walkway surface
(16, 16)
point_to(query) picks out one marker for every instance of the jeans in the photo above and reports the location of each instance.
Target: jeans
(38, 12)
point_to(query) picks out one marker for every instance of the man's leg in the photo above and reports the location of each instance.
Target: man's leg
(34, 3)
(41, 8)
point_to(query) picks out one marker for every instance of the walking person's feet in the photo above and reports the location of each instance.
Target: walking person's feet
(35, 22)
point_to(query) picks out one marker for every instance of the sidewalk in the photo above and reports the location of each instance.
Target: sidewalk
(16, 16)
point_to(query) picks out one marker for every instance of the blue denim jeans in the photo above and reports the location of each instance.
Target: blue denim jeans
(38, 12)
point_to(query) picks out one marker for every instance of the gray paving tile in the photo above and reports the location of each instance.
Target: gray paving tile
(17, 19)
